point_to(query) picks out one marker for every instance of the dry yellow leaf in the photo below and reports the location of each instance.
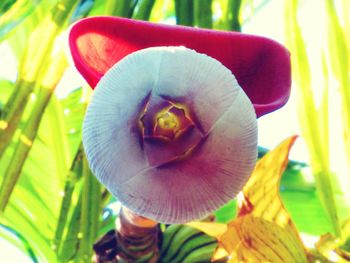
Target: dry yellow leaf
(263, 231)
(213, 229)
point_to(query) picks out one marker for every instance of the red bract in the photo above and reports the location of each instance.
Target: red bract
(261, 66)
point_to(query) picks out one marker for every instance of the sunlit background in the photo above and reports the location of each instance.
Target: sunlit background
(268, 20)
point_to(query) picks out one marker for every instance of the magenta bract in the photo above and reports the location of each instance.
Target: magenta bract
(261, 65)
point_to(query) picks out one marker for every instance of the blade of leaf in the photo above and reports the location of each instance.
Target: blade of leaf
(18, 39)
(123, 8)
(70, 243)
(184, 12)
(203, 13)
(55, 72)
(233, 15)
(71, 180)
(264, 230)
(338, 49)
(144, 10)
(32, 66)
(308, 115)
(346, 15)
(14, 237)
(90, 214)
(38, 194)
(6, 88)
(15, 15)
(210, 228)
(167, 11)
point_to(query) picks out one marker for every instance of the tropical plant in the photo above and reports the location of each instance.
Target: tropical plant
(53, 208)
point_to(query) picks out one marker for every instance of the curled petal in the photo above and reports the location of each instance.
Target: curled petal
(261, 66)
(214, 156)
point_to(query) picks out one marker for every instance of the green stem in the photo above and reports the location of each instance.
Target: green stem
(309, 118)
(32, 65)
(338, 48)
(71, 180)
(184, 12)
(134, 240)
(68, 248)
(121, 8)
(233, 14)
(90, 214)
(29, 132)
(145, 9)
(13, 111)
(4, 6)
(203, 13)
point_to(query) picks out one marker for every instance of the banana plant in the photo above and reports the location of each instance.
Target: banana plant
(53, 208)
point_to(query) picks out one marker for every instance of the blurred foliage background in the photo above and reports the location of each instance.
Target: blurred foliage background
(53, 209)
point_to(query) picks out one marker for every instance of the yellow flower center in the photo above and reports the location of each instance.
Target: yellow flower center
(170, 122)
(167, 121)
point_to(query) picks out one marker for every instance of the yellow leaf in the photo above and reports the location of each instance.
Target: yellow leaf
(253, 239)
(210, 228)
(329, 247)
(263, 231)
(219, 254)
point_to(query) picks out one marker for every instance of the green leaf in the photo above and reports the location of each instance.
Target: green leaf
(144, 9)
(19, 35)
(18, 12)
(34, 65)
(203, 13)
(184, 12)
(18, 240)
(70, 246)
(6, 88)
(29, 131)
(311, 123)
(233, 15)
(167, 11)
(5, 5)
(181, 241)
(90, 214)
(35, 204)
(74, 175)
(338, 47)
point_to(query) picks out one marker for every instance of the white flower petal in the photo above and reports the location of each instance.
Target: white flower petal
(210, 176)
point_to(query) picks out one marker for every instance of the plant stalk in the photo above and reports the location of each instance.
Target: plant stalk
(203, 13)
(145, 9)
(184, 12)
(135, 239)
(32, 65)
(29, 132)
(232, 15)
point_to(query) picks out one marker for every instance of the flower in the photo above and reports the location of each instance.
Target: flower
(261, 66)
(169, 131)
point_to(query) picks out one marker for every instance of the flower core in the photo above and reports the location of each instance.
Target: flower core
(167, 125)
(171, 123)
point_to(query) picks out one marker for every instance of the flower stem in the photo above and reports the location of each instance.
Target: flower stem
(145, 9)
(232, 15)
(71, 180)
(32, 65)
(90, 213)
(123, 8)
(135, 239)
(203, 13)
(184, 12)
(29, 132)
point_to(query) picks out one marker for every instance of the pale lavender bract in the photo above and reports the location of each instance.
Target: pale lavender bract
(145, 173)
